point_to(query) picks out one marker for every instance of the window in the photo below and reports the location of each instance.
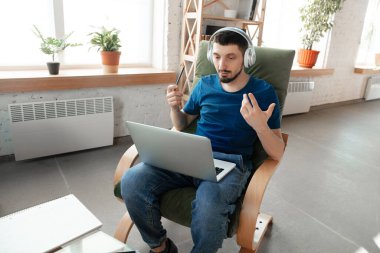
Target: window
(370, 41)
(20, 47)
(282, 27)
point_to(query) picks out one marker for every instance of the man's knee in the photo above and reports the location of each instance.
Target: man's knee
(131, 182)
(211, 202)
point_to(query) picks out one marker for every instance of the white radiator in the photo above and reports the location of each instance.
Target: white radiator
(54, 127)
(373, 88)
(299, 97)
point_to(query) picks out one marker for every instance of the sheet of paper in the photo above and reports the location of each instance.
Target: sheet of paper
(47, 226)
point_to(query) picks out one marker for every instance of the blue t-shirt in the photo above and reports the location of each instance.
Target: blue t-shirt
(220, 118)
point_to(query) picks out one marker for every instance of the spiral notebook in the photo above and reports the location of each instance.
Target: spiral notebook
(46, 227)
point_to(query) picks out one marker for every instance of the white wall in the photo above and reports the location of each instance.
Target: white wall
(146, 103)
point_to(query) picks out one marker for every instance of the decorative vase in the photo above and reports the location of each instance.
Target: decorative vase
(307, 58)
(110, 61)
(377, 60)
(53, 68)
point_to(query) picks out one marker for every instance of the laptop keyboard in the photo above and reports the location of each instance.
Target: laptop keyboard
(218, 170)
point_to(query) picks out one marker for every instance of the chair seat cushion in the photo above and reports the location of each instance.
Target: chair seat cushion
(175, 205)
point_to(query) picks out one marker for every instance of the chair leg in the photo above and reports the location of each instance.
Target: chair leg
(262, 223)
(245, 250)
(124, 228)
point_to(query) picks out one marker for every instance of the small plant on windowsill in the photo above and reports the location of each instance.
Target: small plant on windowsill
(108, 43)
(52, 46)
(317, 18)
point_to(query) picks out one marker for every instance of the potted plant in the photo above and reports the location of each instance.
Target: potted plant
(108, 42)
(52, 46)
(317, 18)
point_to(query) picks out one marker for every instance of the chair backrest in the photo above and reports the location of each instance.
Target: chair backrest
(272, 64)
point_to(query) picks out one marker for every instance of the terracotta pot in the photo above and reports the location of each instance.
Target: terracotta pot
(377, 60)
(307, 58)
(110, 61)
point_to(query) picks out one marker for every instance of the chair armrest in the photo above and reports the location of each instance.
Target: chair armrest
(252, 201)
(127, 160)
(124, 228)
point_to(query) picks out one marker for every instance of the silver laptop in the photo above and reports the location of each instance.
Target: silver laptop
(183, 153)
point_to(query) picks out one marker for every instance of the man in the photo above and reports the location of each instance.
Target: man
(234, 109)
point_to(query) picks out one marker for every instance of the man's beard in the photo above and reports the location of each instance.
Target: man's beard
(228, 80)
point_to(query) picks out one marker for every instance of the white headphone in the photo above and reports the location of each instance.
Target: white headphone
(249, 55)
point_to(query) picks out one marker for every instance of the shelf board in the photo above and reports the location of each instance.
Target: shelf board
(244, 21)
(305, 72)
(367, 70)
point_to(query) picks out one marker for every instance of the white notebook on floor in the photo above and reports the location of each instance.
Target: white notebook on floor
(45, 227)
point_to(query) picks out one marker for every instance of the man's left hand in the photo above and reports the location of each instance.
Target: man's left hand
(253, 114)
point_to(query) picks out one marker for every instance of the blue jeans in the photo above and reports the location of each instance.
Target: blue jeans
(142, 185)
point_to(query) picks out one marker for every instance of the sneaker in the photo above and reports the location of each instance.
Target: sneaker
(170, 247)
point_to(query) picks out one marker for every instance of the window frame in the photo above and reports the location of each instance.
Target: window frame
(56, 12)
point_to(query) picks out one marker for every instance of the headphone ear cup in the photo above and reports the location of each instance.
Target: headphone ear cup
(246, 58)
(249, 57)
(209, 52)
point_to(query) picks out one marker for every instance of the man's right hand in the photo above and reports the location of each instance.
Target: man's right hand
(174, 97)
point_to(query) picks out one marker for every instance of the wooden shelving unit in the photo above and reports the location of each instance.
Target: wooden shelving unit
(193, 17)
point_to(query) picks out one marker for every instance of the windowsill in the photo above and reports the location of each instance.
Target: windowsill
(40, 80)
(70, 79)
(368, 70)
(305, 72)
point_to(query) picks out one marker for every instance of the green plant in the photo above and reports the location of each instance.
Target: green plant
(106, 40)
(53, 46)
(317, 17)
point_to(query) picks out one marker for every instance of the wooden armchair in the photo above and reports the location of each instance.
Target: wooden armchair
(247, 222)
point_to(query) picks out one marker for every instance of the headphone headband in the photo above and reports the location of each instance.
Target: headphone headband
(249, 55)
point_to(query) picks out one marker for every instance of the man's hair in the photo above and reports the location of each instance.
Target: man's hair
(225, 38)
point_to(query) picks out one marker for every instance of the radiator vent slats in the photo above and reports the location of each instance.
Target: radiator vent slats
(108, 105)
(60, 109)
(16, 113)
(39, 110)
(71, 108)
(90, 106)
(80, 107)
(28, 112)
(300, 86)
(99, 106)
(50, 110)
